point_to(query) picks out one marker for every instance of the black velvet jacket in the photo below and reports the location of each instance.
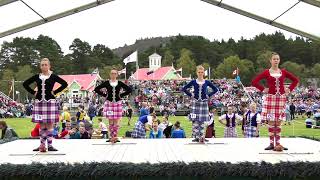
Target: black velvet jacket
(113, 93)
(48, 86)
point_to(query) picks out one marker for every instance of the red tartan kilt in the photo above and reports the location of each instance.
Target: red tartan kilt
(273, 107)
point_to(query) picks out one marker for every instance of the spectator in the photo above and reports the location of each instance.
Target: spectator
(65, 116)
(177, 131)
(155, 132)
(35, 133)
(129, 113)
(92, 112)
(7, 134)
(65, 134)
(317, 117)
(309, 122)
(144, 109)
(80, 114)
(55, 131)
(103, 129)
(83, 133)
(292, 111)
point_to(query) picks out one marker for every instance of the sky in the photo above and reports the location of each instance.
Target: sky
(124, 21)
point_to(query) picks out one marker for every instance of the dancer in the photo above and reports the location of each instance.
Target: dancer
(251, 122)
(45, 109)
(113, 105)
(275, 99)
(199, 107)
(231, 121)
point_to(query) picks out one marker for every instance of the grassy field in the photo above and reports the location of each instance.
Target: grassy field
(23, 127)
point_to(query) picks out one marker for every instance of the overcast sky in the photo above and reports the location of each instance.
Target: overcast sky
(123, 21)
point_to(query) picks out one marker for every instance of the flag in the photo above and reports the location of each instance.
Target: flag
(17, 92)
(236, 72)
(95, 71)
(11, 87)
(131, 58)
(150, 72)
(206, 73)
(123, 71)
(179, 70)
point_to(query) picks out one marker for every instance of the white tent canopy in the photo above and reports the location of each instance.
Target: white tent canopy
(295, 16)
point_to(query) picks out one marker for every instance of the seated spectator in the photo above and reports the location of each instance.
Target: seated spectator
(74, 123)
(155, 132)
(177, 131)
(65, 134)
(165, 123)
(317, 117)
(7, 134)
(83, 133)
(56, 128)
(35, 133)
(103, 129)
(74, 133)
(309, 122)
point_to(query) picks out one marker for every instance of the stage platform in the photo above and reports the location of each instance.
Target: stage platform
(233, 150)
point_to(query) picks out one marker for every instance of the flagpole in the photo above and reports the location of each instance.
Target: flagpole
(13, 89)
(125, 73)
(209, 73)
(137, 66)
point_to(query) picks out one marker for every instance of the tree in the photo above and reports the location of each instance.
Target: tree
(186, 62)
(225, 69)
(21, 51)
(263, 60)
(298, 70)
(48, 48)
(6, 81)
(315, 71)
(80, 56)
(23, 73)
(168, 58)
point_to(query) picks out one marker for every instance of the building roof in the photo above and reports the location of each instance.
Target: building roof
(158, 74)
(84, 80)
(154, 55)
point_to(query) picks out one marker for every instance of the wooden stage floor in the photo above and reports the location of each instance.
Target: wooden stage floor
(232, 150)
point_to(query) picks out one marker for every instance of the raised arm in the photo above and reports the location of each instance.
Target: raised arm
(213, 87)
(185, 89)
(256, 81)
(127, 90)
(62, 82)
(98, 89)
(293, 78)
(26, 84)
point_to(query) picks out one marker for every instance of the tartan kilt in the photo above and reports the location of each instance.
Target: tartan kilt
(230, 132)
(45, 111)
(250, 131)
(199, 111)
(139, 130)
(273, 106)
(112, 110)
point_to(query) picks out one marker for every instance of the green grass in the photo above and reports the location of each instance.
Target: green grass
(23, 127)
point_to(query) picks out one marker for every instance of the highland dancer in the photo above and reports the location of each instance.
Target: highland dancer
(251, 122)
(274, 101)
(45, 109)
(199, 107)
(231, 120)
(113, 105)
